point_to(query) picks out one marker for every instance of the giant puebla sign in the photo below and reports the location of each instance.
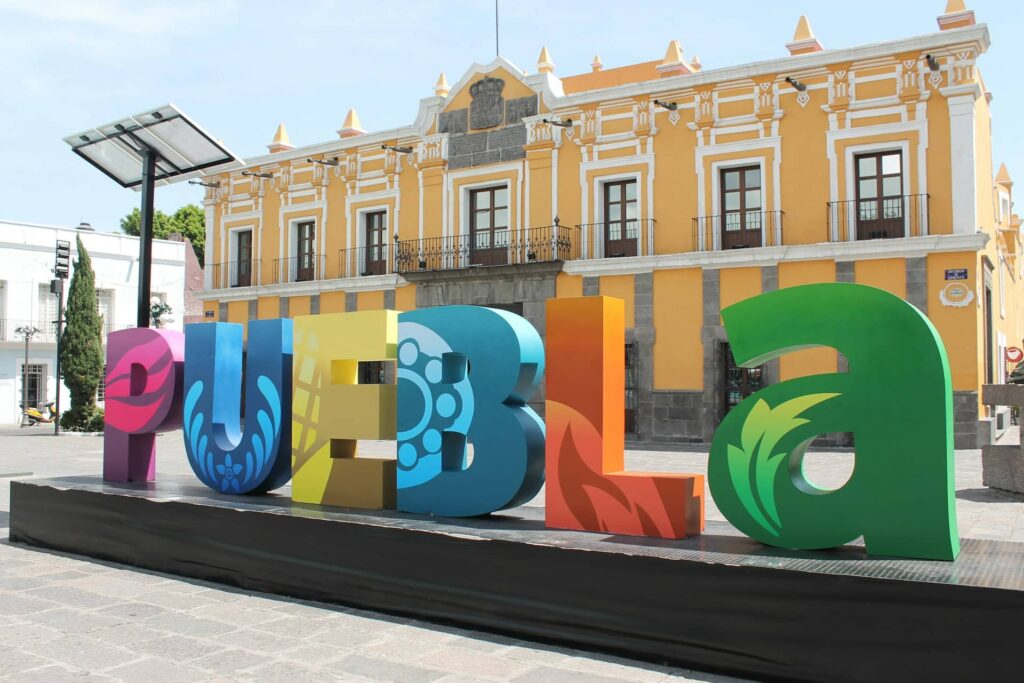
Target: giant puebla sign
(465, 375)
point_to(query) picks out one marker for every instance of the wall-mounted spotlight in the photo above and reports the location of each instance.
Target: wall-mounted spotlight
(796, 84)
(933, 63)
(398, 148)
(258, 175)
(671, 106)
(561, 124)
(326, 162)
(202, 184)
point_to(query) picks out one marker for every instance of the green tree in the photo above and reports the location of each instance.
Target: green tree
(189, 220)
(81, 348)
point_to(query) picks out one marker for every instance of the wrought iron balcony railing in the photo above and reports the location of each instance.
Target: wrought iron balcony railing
(612, 239)
(235, 274)
(738, 230)
(301, 268)
(373, 260)
(880, 218)
(496, 248)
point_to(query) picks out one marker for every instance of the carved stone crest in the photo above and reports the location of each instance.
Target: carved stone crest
(488, 107)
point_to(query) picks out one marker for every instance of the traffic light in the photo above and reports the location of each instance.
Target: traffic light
(63, 260)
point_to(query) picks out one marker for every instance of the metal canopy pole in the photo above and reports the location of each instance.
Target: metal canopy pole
(149, 158)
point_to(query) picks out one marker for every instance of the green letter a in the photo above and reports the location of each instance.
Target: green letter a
(896, 398)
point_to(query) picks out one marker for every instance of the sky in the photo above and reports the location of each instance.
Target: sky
(240, 67)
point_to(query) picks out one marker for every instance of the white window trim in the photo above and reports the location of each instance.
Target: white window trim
(641, 209)
(716, 197)
(465, 218)
(229, 278)
(293, 248)
(851, 151)
(361, 213)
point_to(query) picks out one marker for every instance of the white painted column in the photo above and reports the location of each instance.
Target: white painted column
(963, 164)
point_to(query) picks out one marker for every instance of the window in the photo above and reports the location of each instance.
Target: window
(742, 218)
(376, 230)
(33, 390)
(243, 264)
(880, 200)
(101, 390)
(47, 318)
(488, 226)
(621, 218)
(105, 306)
(3, 311)
(305, 262)
(631, 387)
(372, 372)
(739, 382)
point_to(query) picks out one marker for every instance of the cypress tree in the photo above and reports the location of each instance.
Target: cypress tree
(81, 351)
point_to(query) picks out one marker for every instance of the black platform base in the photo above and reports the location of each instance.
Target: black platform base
(718, 602)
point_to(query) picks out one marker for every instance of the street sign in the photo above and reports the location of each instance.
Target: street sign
(63, 259)
(1014, 355)
(956, 273)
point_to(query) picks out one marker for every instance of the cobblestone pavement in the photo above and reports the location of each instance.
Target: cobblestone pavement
(68, 618)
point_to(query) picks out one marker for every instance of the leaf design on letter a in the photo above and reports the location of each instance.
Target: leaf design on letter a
(753, 466)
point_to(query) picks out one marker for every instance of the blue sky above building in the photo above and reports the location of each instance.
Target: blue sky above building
(240, 68)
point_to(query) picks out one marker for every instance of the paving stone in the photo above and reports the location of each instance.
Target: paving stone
(186, 624)
(456, 659)
(386, 670)
(282, 672)
(155, 670)
(81, 653)
(179, 648)
(132, 610)
(231, 661)
(548, 674)
(69, 595)
(72, 620)
(16, 661)
(12, 603)
(60, 674)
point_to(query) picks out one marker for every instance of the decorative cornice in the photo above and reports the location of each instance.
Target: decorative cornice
(364, 283)
(906, 247)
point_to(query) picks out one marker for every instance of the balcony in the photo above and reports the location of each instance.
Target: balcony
(619, 238)
(303, 268)
(884, 218)
(506, 247)
(364, 261)
(738, 230)
(235, 274)
(47, 331)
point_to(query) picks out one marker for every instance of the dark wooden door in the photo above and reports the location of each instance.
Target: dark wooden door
(376, 244)
(632, 385)
(879, 195)
(742, 216)
(739, 382)
(243, 277)
(621, 218)
(305, 267)
(488, 226)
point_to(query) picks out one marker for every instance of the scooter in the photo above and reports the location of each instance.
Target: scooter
(30, 417)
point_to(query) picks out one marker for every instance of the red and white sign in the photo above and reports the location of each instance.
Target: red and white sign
(1014, 355)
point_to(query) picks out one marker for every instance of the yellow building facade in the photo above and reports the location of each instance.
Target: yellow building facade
(677, 188)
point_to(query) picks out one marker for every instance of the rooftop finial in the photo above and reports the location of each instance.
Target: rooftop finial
(803, 39)
(674, 64)
(544, 63)
(351, 127)
(441, 88)
(281, 143)
(597, 64)
(956, 16)
(1003, 177)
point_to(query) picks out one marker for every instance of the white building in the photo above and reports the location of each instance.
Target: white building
(26, 269)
